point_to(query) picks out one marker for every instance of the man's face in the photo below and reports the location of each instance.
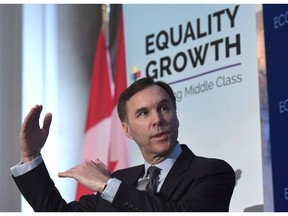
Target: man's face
(152, 122)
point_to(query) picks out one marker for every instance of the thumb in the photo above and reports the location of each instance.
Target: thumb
(47, 122)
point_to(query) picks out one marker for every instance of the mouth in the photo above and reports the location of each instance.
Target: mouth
(160, 136)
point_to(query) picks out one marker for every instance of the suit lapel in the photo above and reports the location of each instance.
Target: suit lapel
(136, 175)
(131, 175)
(175, 175)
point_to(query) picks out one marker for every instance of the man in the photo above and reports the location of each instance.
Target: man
(183, 181)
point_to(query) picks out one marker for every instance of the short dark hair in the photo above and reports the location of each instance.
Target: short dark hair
(136, 87)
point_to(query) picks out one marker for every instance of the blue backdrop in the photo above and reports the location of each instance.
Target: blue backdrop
(276, 42)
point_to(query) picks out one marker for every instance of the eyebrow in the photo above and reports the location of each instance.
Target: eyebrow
(142, 109)
(164, 100)
(139, 110)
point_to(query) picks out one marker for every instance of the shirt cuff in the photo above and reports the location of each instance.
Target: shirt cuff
(111, 189)
(22, 168)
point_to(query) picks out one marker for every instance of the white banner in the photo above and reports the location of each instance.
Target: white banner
(208, 55)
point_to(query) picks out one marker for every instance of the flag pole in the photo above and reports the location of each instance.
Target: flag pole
(105, 21)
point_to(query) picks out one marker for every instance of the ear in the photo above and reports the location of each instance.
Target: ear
(127, 130)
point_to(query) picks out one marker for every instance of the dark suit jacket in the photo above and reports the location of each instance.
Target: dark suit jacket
(193, 184)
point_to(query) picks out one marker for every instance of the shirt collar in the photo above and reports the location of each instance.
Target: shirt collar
(168, 162)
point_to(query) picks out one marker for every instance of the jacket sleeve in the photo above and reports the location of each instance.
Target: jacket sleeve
(40, 192)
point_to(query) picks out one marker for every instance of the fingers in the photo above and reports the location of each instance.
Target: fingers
(75, 171)
(91, 174)
(34, 115)
(97, 166)
(38, 110)
(103, 169)
(30, 118)
(68, 173)
(87, 166)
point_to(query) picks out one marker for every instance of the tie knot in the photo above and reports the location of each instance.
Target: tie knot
(153, 171)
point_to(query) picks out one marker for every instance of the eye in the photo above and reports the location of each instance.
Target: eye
(165, 108)
(142, 113)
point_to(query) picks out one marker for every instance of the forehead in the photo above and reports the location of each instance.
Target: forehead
(150, 95)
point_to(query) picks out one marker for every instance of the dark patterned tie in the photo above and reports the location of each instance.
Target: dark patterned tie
(153, 173)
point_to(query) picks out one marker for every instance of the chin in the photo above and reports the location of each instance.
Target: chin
(165, 147)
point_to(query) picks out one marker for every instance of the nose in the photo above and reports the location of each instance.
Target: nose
(157, 119)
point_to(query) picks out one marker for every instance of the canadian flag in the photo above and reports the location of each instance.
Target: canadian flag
(98, 122)
(119, 151)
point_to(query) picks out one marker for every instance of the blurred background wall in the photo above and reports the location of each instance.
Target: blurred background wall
(10, 102)
(29, 36)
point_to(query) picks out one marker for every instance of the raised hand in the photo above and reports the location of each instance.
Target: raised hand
(92, 174)
(32, 137)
